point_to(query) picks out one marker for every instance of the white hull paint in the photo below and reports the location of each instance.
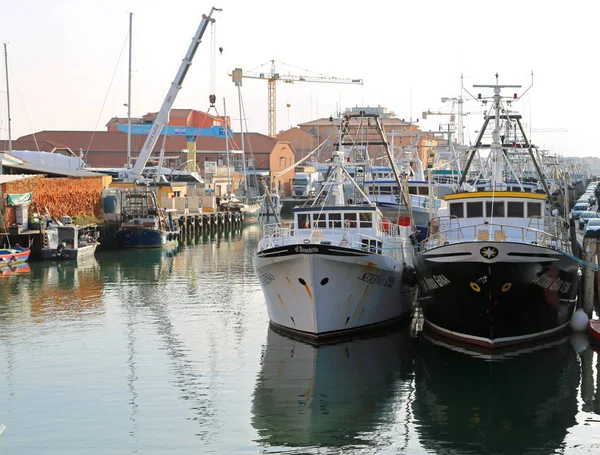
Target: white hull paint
(70, 253)
(319, 294)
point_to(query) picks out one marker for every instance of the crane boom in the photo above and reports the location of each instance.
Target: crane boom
(162, 118)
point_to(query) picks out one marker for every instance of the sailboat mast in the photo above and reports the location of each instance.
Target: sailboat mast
(239, 86)
(7, 98)
(227, 147)
(129, 97)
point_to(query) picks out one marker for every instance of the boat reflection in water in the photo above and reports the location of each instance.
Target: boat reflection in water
(329, 395)
(501, 402)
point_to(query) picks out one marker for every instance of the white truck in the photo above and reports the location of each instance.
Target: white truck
(305, 182)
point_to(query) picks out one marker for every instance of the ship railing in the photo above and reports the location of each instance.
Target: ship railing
(386, 238)
(486, 232)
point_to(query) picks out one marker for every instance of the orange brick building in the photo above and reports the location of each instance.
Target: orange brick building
(60, 196)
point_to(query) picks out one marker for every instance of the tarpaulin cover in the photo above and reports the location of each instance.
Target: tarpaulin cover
(18, 199)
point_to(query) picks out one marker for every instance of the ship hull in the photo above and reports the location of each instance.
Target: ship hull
(318, 291)
(146, 238)
(519, 293)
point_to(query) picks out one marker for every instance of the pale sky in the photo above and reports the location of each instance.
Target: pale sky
(63, 54)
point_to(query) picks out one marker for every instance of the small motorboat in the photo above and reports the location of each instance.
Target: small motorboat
(14, 255)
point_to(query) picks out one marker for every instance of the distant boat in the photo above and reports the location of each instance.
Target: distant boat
(266, 209)
(68, 242)
(144, 223)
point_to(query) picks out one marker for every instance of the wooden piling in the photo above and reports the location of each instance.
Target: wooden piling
(589, 255)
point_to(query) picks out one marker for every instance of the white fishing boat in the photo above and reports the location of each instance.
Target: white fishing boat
(68, 241)
(338, 266)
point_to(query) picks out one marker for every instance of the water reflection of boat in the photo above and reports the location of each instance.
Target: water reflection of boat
(508, 402)
(10, 269)
(328, 395)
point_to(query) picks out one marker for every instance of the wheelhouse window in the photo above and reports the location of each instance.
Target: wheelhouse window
(303, 221)
(423, 190)
(350, 219)
(495, 208)
(515, 209)
(534, 209)
(412, 190)
(335, 220)
(385, 190)
(475, 209)
(320, 221)
(457, 209)
(366, 220)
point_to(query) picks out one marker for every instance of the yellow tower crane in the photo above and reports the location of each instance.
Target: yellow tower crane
(273, 76)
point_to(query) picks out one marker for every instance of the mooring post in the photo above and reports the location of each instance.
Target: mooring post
(589, 256)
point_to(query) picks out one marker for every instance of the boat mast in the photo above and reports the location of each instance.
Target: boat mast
(7, 98)
(238, 83)
(226, 126)
(129, 97)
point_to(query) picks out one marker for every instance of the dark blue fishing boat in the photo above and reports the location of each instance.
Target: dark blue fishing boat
(144, 224)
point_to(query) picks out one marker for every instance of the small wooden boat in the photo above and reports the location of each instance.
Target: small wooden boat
(595, 329)
(14, 255)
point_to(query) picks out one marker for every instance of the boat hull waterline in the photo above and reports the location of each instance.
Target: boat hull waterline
(320, 291)
(146, 238)
(519, 294)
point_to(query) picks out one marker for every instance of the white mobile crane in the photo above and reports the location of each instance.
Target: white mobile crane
(162, 118)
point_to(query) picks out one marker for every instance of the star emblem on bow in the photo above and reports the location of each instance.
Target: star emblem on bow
(489, 252)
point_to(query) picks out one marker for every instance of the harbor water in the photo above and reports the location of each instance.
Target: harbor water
(152, 353)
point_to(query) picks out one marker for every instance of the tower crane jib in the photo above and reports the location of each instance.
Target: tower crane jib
(272, 77)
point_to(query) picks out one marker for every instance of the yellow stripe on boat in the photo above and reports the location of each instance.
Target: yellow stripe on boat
(494, 194)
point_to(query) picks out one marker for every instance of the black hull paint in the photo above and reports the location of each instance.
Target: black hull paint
(498, 303)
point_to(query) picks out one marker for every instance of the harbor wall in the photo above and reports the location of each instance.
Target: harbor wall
(61, 196)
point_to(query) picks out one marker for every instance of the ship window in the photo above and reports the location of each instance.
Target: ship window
(350, 219)
(319, 221)
(457, 209)
(385, 190)
(335, 220)
(423, 190)
(498, 209)
(366, 220)
(303, 221)
(412, 190)
(474, 209)
(534, 209)
(515, 209)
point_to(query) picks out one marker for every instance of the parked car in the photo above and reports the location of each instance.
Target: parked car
(579, 207)
(591, 197)
(584, 217)
(592, 229)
